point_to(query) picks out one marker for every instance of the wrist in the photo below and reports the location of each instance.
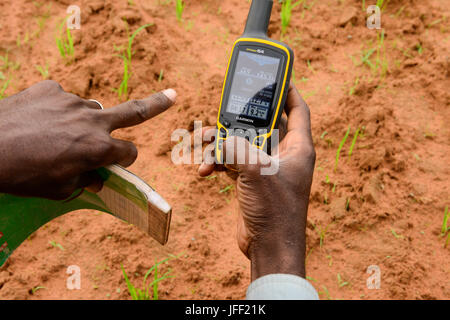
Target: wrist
(277, 255)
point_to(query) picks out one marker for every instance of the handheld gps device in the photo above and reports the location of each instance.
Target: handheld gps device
(256, 83)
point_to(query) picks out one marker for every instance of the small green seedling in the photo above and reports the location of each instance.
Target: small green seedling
(7, 64)
(445, 229)
(227, 188)
(341, 282)
(33, 291)
(286, 14)
(43, 70)
(310, 67)
(341, 145)
(381, 62)
(326, 293)
(64, 42)
(353, 88)
(126, 57)
(3, 88)
(365, 58)
(382, 4)
(161, 75)
(56, 245)
(396, 235)
(355, 137)
(419, 48)
(144, 292)
(42, 17)
(179, 8)
(322, 232)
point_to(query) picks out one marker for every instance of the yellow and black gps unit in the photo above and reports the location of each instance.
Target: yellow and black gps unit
(256, 84)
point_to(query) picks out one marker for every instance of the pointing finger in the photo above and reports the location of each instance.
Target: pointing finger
(135, 112)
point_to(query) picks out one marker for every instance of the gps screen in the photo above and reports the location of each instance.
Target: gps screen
(254, 85)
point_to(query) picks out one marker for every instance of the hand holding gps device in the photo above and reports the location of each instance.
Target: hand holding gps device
(256, 83)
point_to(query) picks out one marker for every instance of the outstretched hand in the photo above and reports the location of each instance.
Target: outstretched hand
(52, 141)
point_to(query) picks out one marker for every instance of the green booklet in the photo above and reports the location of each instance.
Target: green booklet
(124, 195)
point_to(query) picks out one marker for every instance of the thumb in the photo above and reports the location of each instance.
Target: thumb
(241, 156)
(135, 112)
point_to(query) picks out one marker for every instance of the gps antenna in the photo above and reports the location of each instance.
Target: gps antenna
(259, 18)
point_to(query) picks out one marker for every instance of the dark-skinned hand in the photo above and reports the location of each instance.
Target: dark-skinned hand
(52, 141)
(273, 208)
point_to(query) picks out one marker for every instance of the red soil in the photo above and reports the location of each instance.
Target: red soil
(396, 181)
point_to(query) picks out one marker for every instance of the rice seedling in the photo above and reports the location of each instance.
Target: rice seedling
(227, 189)
(126, 56)
(33, 291)
(322, 232)
(64, 42)
(399, 12)
(309, 94)
(7, 64)
(144, 292)
(308, 255)
(330, 260)
(56, 245)
(396, 235)
(365, 58)
(380, 65)
(419, 48)
(326, 293)
(161, 75)
(381, 61)
(311, 279)
(434, 23)
(41, 18)
(3, 88)
(24, 41)
(355, 137)
(445, 229)
(43, 70)
(179, 8)
(310, 67)
(341, 145)
(341, 282)
(353, 88)
(286, 14)
(4, 84)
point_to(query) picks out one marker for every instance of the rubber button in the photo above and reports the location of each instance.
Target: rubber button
(223, 133)
(239, 132)
(259, 141)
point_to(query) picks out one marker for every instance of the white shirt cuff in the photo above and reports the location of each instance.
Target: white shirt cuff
(281, 287)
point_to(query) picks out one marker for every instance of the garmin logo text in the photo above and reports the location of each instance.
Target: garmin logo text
(244, 119)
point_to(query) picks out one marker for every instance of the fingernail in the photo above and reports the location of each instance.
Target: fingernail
(171, 94)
